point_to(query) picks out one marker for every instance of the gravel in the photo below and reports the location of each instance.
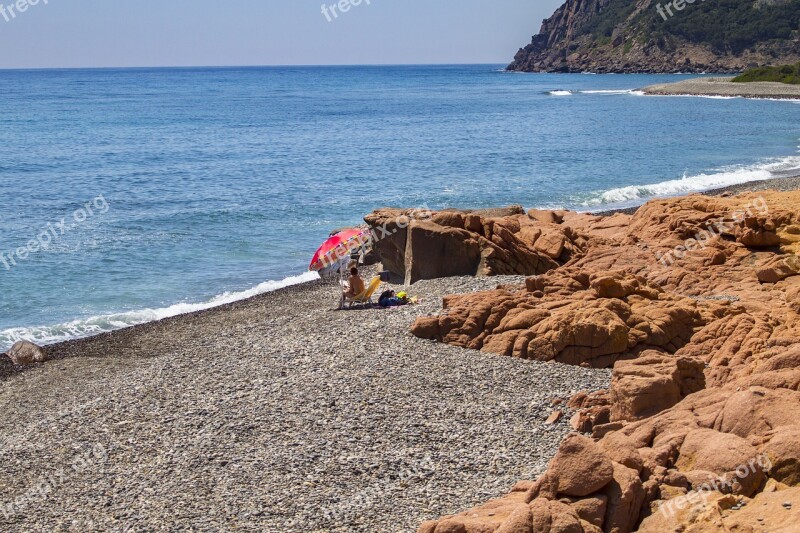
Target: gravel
(725, 87)
(279, 414)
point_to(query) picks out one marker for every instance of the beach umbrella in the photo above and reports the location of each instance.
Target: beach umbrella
(339, 247)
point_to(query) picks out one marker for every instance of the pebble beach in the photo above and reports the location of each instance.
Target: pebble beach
(723, 87)
(277, 413)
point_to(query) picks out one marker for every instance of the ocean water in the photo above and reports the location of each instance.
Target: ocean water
(170, 190)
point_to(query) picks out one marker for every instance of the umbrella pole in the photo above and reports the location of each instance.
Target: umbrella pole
(341, 286)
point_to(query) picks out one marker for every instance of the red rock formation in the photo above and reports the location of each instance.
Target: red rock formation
(483, 243)
(694, 302)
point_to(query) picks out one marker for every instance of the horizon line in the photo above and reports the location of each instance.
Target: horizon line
(297, 65)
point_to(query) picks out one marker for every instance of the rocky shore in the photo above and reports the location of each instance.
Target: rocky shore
(664, 345)
(724, 87)
(695, 304)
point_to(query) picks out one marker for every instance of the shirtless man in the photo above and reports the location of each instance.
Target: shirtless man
(355, 285)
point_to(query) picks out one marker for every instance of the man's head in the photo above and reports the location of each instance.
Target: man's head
(354, 271)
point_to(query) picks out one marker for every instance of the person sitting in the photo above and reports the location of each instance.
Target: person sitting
(355, 285)
(390, 299)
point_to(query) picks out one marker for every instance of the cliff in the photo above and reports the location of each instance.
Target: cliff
(654, 36)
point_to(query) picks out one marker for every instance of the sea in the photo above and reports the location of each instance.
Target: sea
(130, 195)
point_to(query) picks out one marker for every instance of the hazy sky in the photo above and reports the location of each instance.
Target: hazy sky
(103, 33)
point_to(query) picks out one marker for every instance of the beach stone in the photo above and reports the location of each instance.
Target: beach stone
(580, 467)
(24, 353)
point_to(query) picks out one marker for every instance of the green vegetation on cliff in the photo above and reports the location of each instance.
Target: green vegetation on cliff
(733, 24)
(726, 25)
(784, 74)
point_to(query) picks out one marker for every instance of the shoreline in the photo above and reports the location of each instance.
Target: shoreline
(782, 184)
(724, 88)
(70, 346)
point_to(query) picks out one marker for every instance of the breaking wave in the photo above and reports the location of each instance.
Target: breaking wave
(100, 324)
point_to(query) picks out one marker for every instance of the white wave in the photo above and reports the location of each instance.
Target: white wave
(609, 91)
(560, 93)
(718, 97)
(104, 323)
(701, 182)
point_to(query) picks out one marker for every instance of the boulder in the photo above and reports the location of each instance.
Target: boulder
(779, 269)
(625, 496)
(579, 329)
(768, 511)
(24, 353)
(389, 236)
(435, 251)
(652, 383)
(782, 452)
(580, 467)
(547, 217)
(591, 509)
(728, 457)
(757, 410)
(550, 516)
(551, 244)
(416, 245)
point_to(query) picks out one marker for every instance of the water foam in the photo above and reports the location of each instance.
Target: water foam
(609, 91)
(103, 323)
(723, 177)
(560, 93)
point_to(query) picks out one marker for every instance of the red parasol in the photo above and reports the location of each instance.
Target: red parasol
(339, 247)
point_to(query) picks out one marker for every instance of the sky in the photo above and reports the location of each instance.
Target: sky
(138, 33)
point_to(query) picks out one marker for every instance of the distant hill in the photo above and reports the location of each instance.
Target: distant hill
(656, 36)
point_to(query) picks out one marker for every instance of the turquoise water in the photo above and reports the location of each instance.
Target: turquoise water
(201, 186)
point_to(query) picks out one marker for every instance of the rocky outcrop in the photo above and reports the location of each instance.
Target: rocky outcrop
(475, 243)
(606, 318)
(626, 37)
(694, 304)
